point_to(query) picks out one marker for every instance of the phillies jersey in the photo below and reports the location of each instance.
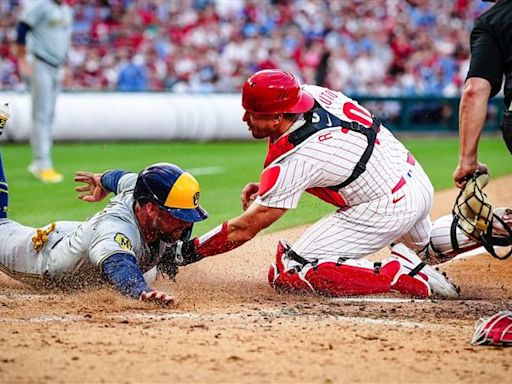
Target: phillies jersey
(328, 157)
(340, 153)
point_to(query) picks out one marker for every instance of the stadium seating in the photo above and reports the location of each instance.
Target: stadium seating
(378, 47)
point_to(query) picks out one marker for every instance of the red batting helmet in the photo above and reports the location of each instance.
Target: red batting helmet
(275, 91)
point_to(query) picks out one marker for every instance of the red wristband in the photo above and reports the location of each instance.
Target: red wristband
(214, 241)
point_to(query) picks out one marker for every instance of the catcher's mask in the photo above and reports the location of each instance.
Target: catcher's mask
(275, 91)
(172, 189)
(474, 215)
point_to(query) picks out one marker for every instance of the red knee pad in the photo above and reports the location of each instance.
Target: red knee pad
(282, 247)
(408, 285)
(412, 286)
(289, 281)
(390, 269)
(332, 279)
(272, 274)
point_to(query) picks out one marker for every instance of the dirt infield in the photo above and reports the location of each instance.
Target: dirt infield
(229, 326)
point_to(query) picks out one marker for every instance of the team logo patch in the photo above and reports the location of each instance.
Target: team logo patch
(196, 199)
(123, 242)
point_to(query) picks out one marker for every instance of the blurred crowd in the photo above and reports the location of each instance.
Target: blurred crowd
(378, 47)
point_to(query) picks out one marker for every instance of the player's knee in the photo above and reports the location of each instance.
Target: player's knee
(283, 275)
(292, 282)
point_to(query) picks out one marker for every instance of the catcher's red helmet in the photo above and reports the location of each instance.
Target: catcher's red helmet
(275, 91)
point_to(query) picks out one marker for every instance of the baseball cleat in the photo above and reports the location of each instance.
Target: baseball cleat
(438, 282)
(48, 175)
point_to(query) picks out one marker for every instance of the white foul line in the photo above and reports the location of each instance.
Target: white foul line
(377, 300)
(77, 318)
(230, 316)
(395, 323)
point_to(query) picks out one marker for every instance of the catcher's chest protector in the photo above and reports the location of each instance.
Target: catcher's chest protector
(319, 119)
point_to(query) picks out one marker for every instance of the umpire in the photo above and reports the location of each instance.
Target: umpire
(45, 29)
(491, 59)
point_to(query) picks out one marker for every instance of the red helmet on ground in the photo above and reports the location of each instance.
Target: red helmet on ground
(275, 91)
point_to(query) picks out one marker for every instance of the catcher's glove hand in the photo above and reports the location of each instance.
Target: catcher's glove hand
(474, 215)
(168, 263)
(177, 254)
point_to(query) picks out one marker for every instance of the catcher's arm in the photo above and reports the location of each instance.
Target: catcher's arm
(227, 236)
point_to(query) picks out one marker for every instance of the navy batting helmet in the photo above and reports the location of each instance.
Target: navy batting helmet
(172, 189)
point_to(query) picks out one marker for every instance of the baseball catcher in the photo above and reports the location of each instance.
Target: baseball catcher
(473, 223)
(323, 143)
(129, 237)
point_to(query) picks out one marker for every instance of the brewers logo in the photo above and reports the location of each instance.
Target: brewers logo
(196, 199)
(123, 241)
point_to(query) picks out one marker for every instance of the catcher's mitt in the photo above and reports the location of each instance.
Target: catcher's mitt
(170, 255)
(167, 263)
(474, 216)
(495, 330)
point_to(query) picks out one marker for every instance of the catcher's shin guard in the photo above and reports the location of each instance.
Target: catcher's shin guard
(414, 286)
(283, 274)
(343, 277)
(413, 267)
